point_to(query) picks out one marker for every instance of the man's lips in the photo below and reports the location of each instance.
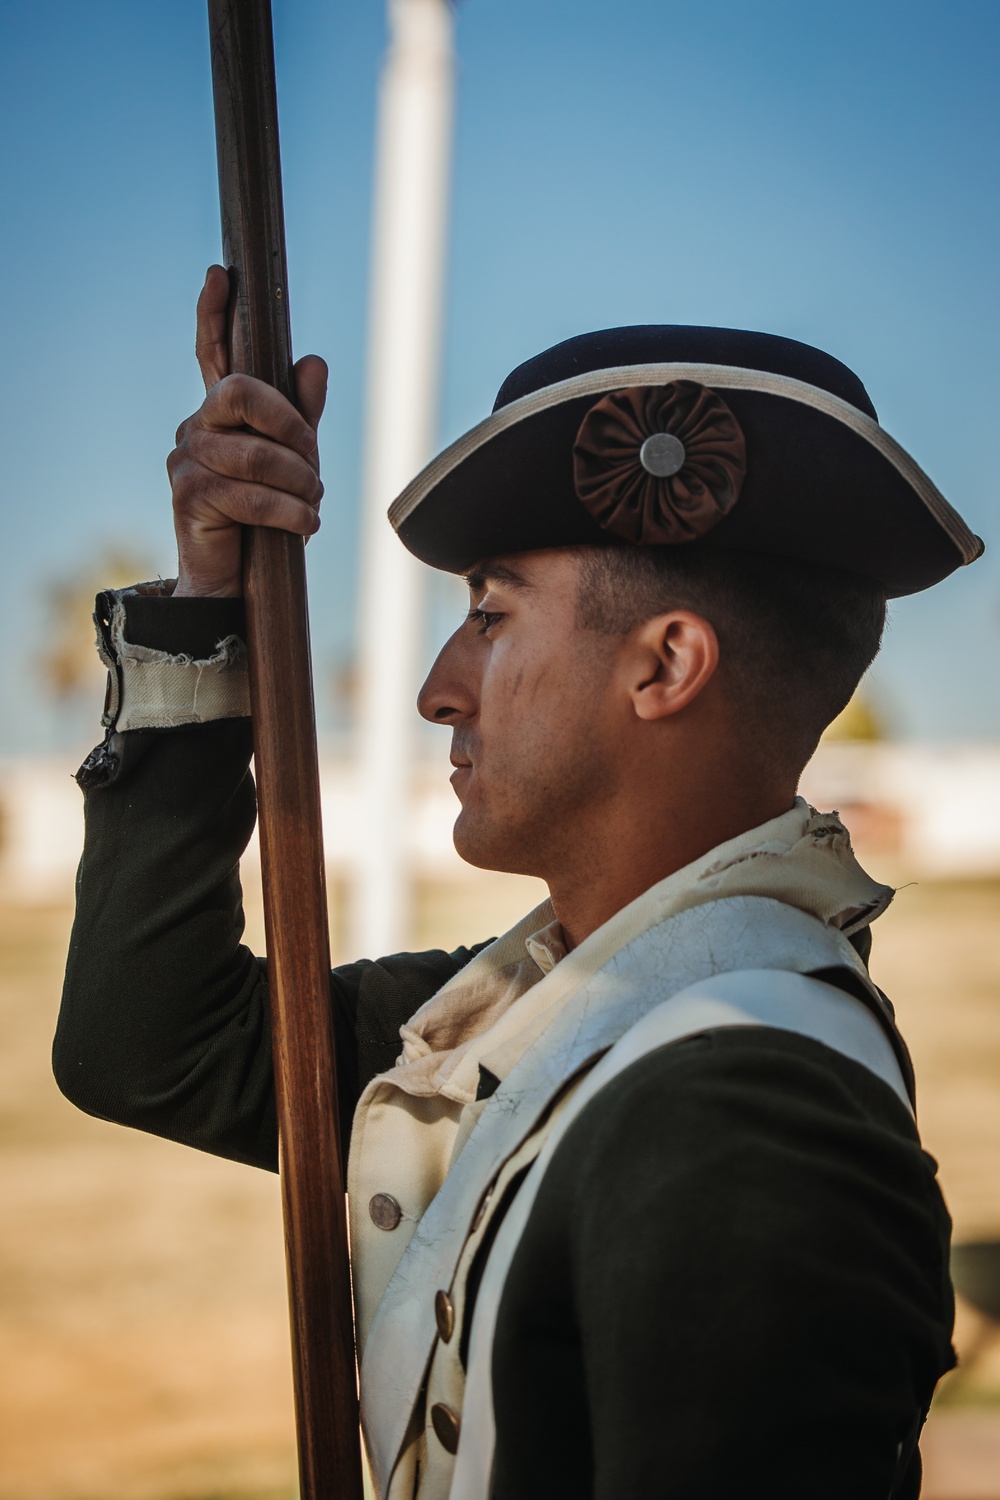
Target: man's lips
(461, 766)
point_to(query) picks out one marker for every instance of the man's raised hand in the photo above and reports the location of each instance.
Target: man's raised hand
(224, 477)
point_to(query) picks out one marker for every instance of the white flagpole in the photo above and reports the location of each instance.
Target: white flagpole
(411, 207)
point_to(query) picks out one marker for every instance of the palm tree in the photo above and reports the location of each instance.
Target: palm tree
(69, 664)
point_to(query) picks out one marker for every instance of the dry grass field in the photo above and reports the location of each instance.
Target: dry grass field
(143, 1351)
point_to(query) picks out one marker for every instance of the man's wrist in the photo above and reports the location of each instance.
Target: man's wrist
(189, 588)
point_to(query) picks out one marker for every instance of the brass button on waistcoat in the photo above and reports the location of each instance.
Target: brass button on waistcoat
(446, 1425)
(444, 1315)
(385, 1212)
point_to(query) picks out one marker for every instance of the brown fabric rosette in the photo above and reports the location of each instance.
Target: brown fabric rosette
(660, 492)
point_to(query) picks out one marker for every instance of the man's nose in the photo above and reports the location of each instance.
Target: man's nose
(449, 692)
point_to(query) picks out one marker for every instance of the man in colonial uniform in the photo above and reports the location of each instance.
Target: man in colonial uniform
(638, 1204)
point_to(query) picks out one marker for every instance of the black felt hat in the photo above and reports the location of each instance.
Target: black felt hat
(664, 435)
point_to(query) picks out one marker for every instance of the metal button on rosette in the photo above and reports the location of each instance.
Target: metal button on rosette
(662, 454)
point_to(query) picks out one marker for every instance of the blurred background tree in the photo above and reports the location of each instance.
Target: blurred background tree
(69, 668)
(860, 720)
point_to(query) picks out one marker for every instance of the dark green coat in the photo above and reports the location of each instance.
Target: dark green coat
(734, 1278)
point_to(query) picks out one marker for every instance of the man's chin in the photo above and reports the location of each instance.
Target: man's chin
(488, 845)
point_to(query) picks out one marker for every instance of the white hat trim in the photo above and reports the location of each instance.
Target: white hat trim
(718, 377)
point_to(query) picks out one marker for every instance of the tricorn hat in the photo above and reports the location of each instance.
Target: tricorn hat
(663, 435)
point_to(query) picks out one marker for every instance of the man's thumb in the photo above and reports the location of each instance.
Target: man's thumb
(311, 376)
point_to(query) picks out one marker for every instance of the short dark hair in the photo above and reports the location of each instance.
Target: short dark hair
(794, 639)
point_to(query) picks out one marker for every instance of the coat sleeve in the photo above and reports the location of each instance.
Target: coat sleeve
(733, 1281)
(164, 1023)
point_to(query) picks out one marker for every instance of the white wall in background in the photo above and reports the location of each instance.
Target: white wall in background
(939, 803)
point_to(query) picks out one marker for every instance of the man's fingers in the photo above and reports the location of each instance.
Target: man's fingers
(311, 375)
(211, 344)
(223, 503)
(257, 505)
(245, 456)
(242, 401)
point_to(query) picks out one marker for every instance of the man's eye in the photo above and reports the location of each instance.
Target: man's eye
(485, 619)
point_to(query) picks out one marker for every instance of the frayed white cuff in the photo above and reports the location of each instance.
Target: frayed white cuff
(150, 689)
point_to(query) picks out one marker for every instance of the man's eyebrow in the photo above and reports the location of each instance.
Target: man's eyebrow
(480, 577)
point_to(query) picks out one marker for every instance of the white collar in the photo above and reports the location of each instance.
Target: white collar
(547, 946)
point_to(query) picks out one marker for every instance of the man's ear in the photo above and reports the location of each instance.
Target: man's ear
(676, 656)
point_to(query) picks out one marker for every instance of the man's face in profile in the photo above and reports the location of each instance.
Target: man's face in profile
(531, 699)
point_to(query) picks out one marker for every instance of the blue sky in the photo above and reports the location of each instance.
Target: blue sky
(823, 172)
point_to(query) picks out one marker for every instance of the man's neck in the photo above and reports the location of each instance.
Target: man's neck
(611, 871)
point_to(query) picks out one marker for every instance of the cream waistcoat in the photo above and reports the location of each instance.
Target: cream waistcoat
(413, 1122)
